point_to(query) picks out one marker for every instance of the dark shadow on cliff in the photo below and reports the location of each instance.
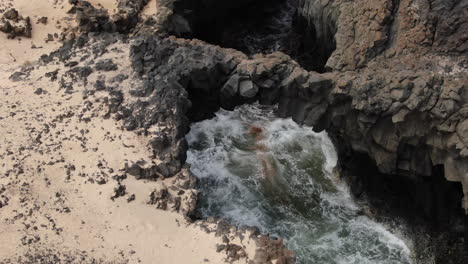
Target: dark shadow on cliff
(260, 27)
(429, 206)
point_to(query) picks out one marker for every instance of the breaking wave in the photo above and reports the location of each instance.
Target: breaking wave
(258, 170)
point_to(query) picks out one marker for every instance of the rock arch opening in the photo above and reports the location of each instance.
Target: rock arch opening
(203, 78)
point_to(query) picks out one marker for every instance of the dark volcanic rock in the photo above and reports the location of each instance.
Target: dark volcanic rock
(126, 17)
(393, 28)
(42, 20)
(15, 25)
(106, 65)
(91, 19)
(39, 91)
(119, 191)
(81, 72)
(12, 15)
(100, 85)
(396, 97)
(6, 27)
(18, 76)
(395, 101)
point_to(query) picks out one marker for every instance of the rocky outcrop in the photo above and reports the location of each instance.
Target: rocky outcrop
(408, 122)
(385, 116)
(268, 249)
(381, 114)
(192, 79)
(395, 94)
(92, 19)
(406, 94)
(419, 99)
(363, 30)
(15, 25)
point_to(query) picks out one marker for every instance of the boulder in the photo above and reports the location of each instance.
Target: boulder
(247, 88)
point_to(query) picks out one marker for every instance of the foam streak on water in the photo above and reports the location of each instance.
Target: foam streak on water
(281, 181)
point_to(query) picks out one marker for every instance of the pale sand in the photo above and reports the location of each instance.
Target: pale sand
(41, 195)
(52, 208)
(18, 51)
(150, 9)
(110, 5)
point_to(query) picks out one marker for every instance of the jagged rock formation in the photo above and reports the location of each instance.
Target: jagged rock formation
(407, 89)
(203, 78)
(395, 95)
(418, 100)
(364, 30)
(92, 19)
(207, 77)
(15, 25)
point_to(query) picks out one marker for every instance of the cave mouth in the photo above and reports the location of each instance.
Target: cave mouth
(427, 208)
(269, 26)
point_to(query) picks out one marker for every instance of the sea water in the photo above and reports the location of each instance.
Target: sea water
(259, 170)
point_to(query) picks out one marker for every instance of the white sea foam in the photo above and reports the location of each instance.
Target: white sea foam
(301, 202)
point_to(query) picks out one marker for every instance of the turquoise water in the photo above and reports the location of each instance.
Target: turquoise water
(259, 170)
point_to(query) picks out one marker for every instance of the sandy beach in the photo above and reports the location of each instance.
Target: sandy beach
(65, 196)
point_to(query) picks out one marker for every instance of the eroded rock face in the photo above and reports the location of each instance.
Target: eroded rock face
(366, 29)
(406, 91)
(406, 87)
(406, 122)
(392, 112)
(396, 92)
(190, 80)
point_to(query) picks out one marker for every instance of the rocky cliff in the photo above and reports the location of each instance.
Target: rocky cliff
(402, 67)
(394, 96)
(393, 61)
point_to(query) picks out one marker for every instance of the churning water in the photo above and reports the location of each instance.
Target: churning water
(258, 170)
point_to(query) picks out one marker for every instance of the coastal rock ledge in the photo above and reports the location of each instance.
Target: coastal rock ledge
(393, 94)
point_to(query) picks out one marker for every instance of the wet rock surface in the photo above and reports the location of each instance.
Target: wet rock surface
(268, 249)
